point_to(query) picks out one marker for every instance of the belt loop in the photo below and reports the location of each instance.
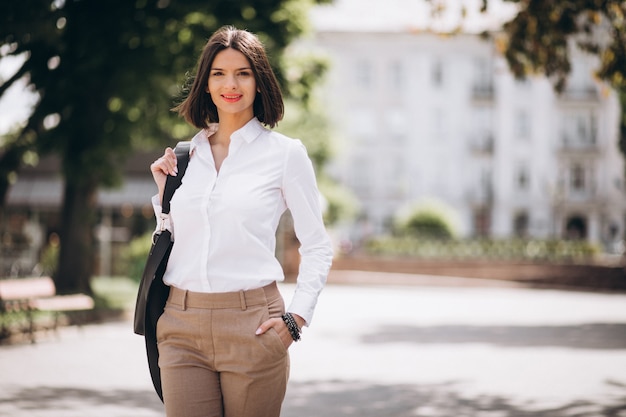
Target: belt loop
(184, 302)
(242, 298)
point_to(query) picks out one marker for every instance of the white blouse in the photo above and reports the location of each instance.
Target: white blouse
(224, 224)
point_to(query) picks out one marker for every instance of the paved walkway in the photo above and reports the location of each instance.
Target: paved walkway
(372, 351)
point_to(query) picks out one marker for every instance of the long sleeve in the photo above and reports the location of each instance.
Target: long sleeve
(303, 199)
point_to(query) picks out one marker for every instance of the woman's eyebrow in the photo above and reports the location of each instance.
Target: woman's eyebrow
(236, 69)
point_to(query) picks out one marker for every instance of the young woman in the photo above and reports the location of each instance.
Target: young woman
(224, 336)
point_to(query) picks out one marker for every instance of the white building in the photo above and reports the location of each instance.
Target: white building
(426, 115)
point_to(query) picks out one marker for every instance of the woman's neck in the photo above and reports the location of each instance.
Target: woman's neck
(226, 127)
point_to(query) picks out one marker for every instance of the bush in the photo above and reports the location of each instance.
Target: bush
(426, 220)
(136, 255)
(428, 225)
(512, 249)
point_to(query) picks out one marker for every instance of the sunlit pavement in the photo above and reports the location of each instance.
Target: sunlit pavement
(372, 351)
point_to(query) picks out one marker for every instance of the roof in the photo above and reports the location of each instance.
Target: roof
(48, 193)
(42, 185)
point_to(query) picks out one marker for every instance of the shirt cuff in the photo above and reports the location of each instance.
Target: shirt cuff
(162, 222)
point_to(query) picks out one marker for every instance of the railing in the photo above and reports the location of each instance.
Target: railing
(577, 143)
(582, 93)
(503, 249)
(482, 145)
(483, 92)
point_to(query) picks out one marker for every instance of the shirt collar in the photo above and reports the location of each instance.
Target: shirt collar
(202, 137)
(249, 132)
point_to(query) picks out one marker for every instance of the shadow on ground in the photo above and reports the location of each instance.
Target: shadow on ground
(605, 336)
(319, 399)
(342, 399)
(57, 400)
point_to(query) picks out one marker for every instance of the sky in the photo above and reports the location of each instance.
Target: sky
(341, 15)
(410, 15)
(17, 101)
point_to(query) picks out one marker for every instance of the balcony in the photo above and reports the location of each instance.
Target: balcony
(579, 145)
(483, 92)
(482, 145)
(578, 94)
(581, 196)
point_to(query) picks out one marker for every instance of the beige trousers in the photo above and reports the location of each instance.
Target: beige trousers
(212, 362)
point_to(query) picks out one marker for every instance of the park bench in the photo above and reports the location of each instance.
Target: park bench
(21, 300)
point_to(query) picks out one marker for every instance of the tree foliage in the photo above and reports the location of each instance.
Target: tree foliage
(105, 72)
(541, 34)
(540, 37)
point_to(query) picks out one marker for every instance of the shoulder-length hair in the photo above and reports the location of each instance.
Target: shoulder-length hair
(198, 108)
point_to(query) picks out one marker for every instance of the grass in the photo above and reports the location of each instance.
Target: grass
(114, 293)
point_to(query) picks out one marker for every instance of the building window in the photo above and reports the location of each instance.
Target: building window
(522, 124)
(577, 178)
(482, 222)
(520, 224)
(579, 128)
(437, 73)
(398, 79)
(482, 138)
(364, 73)
(483, 78)
(522, 178)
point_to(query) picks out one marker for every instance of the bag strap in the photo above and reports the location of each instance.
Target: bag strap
(172, 183)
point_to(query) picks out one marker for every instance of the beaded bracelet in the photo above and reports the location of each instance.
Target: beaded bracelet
(292, 326)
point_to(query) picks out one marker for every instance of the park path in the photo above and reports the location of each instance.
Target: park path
(372, 351)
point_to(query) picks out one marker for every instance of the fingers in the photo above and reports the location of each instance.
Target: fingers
(266, 325)
(281, 329)
(165, 164)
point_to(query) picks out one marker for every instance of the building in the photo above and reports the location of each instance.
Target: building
(32, 217)
(426, 115)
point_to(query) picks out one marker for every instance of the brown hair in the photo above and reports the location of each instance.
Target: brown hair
(198, 108)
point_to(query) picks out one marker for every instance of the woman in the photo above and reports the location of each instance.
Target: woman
(224, 336)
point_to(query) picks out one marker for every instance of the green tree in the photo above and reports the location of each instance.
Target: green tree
(105, 72)
(540, 36)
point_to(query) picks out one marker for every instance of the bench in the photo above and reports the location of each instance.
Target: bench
(22, 298)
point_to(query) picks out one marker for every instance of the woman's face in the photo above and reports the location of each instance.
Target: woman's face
(232, 85)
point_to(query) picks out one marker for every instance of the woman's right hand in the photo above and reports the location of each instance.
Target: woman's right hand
(162, 167)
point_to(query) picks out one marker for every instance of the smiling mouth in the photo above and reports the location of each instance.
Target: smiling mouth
(232, 98)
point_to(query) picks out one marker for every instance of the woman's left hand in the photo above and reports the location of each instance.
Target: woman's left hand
(281, 328)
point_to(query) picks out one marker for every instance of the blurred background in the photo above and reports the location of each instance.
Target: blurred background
(451, 133)
(457, 143)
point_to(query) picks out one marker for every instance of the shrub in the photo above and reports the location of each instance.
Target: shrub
(136, 255)
(426, 220)
(504, 249)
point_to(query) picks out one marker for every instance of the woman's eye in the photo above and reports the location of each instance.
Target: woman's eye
(216, 73)
(245, 73)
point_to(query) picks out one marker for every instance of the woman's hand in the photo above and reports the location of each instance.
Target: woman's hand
(281, 328)
(162, 167)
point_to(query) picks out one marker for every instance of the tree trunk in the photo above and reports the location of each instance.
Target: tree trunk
(622, 124)
(76, 257)
(9, 163)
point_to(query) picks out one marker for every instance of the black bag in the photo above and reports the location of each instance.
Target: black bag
(153, 293)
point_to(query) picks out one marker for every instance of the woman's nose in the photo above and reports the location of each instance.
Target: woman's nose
(231, 81)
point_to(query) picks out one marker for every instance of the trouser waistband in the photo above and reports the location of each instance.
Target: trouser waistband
(190, 299)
